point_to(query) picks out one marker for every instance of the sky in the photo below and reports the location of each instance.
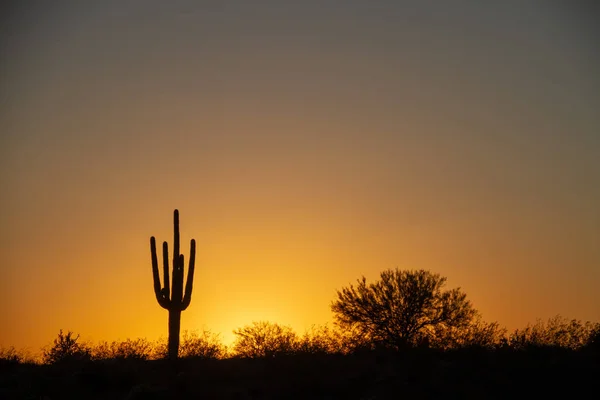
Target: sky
(305, 144)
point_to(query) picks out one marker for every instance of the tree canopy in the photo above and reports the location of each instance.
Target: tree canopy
(402, 308)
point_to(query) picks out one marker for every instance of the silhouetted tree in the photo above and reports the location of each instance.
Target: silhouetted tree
(173, 299)
(264, 339)
(66, 348)
(402, 308)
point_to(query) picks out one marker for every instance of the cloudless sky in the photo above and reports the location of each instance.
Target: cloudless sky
(305, 143)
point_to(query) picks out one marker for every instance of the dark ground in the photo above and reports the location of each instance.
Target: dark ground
(418, 374)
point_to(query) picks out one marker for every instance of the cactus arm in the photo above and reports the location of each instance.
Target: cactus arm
(162, 301)
(167, 285)
(187, 298)
(175, 237)
(155, 266)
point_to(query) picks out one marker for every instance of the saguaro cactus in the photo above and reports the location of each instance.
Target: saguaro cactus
(173, 298)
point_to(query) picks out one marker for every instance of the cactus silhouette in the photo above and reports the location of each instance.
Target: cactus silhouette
(173, 298)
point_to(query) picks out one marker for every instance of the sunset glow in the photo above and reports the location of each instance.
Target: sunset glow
(304, 146)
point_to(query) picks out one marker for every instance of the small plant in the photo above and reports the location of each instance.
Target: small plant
(66, 348)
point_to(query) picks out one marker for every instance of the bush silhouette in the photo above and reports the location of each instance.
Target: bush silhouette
(556, 332)
(477, 333)
(324, 340)
(593, 340)
(319, 340)
(66, 348)
(130, 349)
(321, 363)
(264, 339)
(10, 357)
(205, 345)
(403, 308)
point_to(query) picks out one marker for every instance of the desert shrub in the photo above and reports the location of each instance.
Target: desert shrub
(66, 348)
(593, 339)
(337, 340)
(192, 345)
(130, 349)
(22, 356)
(352, 340)
(264, 339)
(483, 334)
(556, 332)
(10, 356)
(477, 334)
(318, 340)
(203, 345)
(160, 349)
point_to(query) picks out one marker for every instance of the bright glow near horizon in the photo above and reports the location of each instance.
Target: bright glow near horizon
(305, 145)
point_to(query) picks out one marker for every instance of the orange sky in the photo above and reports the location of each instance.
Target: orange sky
(305, 145)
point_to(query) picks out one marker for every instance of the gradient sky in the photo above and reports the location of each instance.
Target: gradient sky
(305, 143)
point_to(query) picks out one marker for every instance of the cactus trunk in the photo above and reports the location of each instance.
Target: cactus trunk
(174, 328)
(173, 298)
